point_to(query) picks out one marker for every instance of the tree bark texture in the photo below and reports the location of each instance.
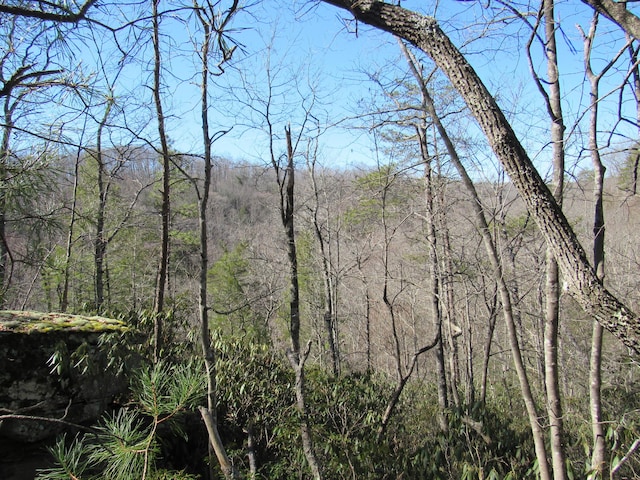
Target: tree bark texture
(617, 12)
(425, 33)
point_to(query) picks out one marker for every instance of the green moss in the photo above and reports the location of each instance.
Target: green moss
(32, 322)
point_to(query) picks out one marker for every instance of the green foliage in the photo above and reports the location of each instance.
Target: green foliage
(377, 180)
(53, 273)
(26, 182)
(519, 225)
(379, 191)
(346, 412)
(162, 391)
(227, 281)
(71, 461)
(127, 350)
(503, 450)
(628, 171)
(255, 394)
(62, 361)
(126, 445)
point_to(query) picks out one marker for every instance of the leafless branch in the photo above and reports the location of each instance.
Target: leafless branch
(58, 12)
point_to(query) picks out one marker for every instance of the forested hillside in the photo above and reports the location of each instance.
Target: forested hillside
(448, 306)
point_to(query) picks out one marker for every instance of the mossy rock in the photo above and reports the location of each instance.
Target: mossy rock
(32, 322)
(53, 365)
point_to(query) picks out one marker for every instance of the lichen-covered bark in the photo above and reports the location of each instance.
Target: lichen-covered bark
(617, 12)
(425, 33)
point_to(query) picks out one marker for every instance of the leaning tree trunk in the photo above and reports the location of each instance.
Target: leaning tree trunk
(582, 282)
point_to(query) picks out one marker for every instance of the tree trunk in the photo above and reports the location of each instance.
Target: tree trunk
(4, 247)
(208, 413)
(633, 54)
(329, 313)
(470, 387)
(451, 331)
(251, 452)
(402, 382)
(492, 310)
(6, 260)
(582, 282)
(434, 294)
(64, 297)
(536, 429)
(166, 171)
(100, 242)
(367, 316)
(599, 465)
(296, 360)
(598, 455)
(552, 314)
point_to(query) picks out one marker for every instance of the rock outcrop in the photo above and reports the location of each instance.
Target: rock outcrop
(52, 366)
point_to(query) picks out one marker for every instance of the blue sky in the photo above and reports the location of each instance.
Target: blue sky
(315, 44)
(307, 47)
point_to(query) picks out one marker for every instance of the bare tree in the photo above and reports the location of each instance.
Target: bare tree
(425, 33)
(166, 184)
(285, 177)
(66, 268)
(552, 287)
(505, 297)
(635, 75)
(59, 12)
(27, 69)
(213, 21)
(329, 314)
(599, 466)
